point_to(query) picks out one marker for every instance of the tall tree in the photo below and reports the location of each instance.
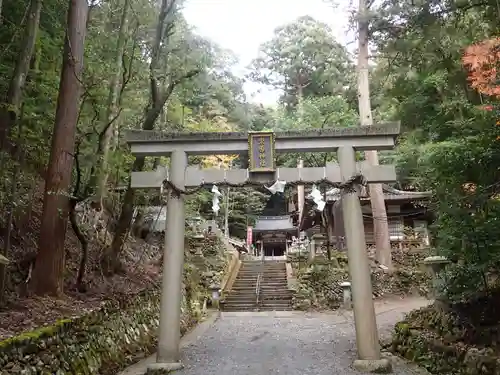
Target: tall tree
(161, 49)
(49, 269)
(101, 172)
(379, 214)
(303, 59)
(10, 110)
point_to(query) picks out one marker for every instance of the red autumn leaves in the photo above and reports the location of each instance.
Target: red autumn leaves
(483, 62)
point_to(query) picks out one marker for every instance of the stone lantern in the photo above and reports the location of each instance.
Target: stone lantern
(436, 264)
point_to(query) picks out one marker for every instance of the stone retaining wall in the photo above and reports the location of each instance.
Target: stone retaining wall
(101, 342)
(318, 281)
(119, 333)
(431, 338)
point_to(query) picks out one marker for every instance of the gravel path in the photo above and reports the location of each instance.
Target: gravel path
(285, 343)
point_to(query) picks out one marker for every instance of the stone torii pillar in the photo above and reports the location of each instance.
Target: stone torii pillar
(367, 340)
(168, 355)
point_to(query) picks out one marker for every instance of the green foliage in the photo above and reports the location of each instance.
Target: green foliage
(449, 145)
(304, 57)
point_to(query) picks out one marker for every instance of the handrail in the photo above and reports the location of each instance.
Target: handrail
(257, 290)
(259, 279)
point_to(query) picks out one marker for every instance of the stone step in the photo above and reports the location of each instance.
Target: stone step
(274, 301)
(239, 308)
(274, 272)
(243, 286)
(267, 276)
(240, 300)
(247, 277)
(275, 298)
(263, 269)
(275, 293)
(265, 265)
(268, 281)
(275, 308)
(243, 303)
(242, 291)
(239, 297)
(273, 286)
(245, 282)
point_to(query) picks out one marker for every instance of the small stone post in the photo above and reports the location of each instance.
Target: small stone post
(346, 291)
(312, 249)
(169, 335)
(367, 339)
(216, 292)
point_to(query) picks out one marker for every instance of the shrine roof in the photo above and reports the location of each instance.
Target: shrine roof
(390, 194)
(274, 223)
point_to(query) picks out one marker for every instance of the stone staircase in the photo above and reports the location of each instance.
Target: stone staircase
(273, 293)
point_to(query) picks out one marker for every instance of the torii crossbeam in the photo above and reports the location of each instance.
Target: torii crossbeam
(195, 176)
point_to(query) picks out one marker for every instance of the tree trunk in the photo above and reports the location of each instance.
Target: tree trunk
(9, 113)
(380, 224)
(79, 284)
(11, 208)
(100, 177)
(48, 274)
(111, 257)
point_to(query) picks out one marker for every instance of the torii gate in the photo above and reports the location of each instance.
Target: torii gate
(261, 148)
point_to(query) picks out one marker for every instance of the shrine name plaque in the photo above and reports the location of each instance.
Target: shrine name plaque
(261, 152)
